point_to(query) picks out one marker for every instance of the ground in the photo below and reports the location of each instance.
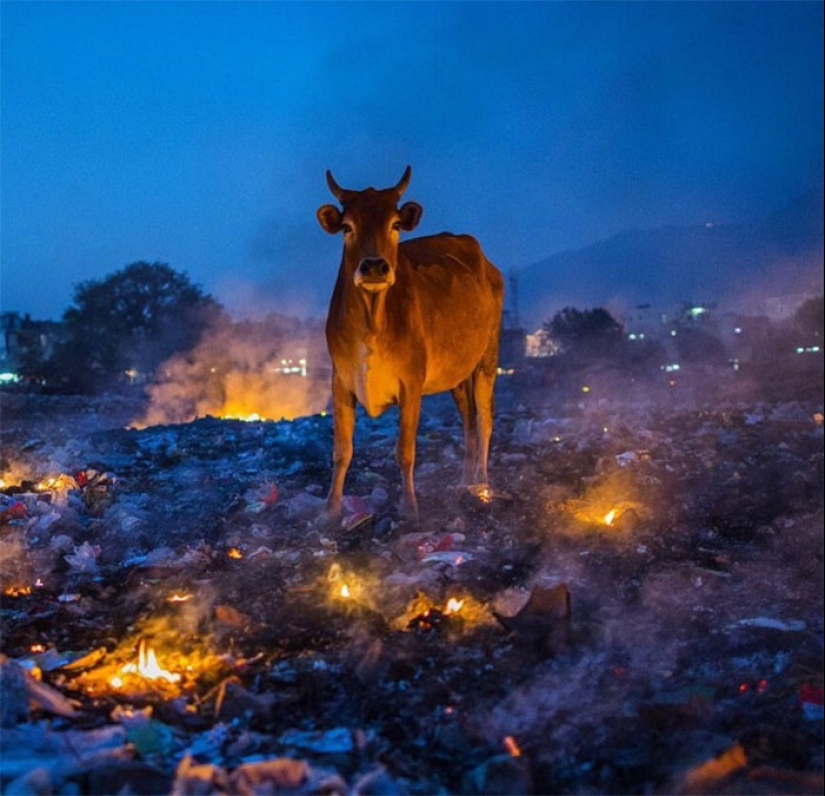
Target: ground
(642, 594)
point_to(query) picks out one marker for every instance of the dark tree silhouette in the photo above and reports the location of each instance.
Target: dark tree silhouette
(129, 322)
(586, 335)
(809, 319)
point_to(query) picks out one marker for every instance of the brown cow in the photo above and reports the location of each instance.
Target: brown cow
(408, 320)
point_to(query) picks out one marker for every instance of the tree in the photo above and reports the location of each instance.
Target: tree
(809, 319)
(586, 335)
(129, 322)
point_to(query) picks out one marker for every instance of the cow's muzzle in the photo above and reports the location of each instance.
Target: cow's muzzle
(373, 274)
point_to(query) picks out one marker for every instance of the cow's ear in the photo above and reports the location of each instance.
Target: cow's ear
(329, 217)
(409, 215)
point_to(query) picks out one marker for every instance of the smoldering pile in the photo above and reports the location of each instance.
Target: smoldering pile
(635, 606)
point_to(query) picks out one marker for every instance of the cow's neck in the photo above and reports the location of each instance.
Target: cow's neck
(373, 312)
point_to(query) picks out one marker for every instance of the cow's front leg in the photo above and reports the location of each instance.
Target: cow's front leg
(343, 418)
(410, 411)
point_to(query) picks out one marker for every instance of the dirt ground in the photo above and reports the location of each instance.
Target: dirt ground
(639, 599)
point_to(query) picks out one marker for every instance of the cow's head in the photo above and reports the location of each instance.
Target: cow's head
(371, 221)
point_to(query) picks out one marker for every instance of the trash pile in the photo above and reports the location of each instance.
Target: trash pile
(634, 605)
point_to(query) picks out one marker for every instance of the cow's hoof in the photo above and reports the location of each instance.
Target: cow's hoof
(409, 512)
(330, 517)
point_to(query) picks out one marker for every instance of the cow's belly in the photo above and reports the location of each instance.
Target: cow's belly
(376, 386)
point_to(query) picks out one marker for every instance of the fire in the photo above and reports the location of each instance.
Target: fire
(56, 483)
(610, 517)
(513, 749)
(147, 666)
(453, 606)
(234, 553)
(252, 417)
(17, 591)
(345, 592)
(178, 598)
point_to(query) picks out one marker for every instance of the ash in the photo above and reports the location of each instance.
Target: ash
(640, 599)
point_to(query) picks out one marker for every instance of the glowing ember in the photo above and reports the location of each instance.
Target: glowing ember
(235, 553)
(345, 591)
(17, 591)
(453, 606)
(513, 749)
(54, 483)
(178, 598)
(610, 517)
(35, 648)
(147, 667)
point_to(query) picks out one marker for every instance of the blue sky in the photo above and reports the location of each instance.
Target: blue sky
(198, 133)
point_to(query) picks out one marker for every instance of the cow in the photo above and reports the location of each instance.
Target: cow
(407, 320)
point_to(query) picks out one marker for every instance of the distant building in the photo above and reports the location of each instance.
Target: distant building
(540, 344)
(25, 340)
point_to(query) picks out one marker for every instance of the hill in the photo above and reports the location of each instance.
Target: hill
(736, 265)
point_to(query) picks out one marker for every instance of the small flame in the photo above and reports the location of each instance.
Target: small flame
(17, 591)
(178, 598)
(35, 648)
(345, 591)
(610, 517)
(147, 667)
(453, 606)
(513, 749)
(252, 417)
(235, 553)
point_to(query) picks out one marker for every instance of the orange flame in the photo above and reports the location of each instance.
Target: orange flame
(17, 591)
(453, 606)
(235, 553)
(147, 667)
(610, 517)
(513, 749)
(345, 591)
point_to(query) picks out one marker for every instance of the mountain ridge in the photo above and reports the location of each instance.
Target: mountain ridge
(737, 265)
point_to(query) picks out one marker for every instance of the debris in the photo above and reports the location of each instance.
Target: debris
(768, 623)
(544, 620)
(15, 681)
(366, 659)
(811, 700)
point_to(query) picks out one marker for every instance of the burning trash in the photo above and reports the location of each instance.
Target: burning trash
(167, 594)
(146, 667)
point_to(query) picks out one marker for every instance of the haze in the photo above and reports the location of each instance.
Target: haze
(198, 134)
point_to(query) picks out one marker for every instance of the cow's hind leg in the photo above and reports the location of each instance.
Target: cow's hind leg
(409, 407)
(465, 401)
(484, 380)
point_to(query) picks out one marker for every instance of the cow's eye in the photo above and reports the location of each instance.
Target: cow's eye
(347, 228)
(397, 226)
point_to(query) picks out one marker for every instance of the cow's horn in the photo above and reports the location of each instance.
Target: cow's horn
(337, 191)
(403, 182)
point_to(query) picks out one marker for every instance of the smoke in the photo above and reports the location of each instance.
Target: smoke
(271, 369)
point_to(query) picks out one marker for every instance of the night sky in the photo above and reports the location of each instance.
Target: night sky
(198, 134)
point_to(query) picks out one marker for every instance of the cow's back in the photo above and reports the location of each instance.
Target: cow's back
(459, 295)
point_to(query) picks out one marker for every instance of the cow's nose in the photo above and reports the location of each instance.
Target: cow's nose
(374, 267)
